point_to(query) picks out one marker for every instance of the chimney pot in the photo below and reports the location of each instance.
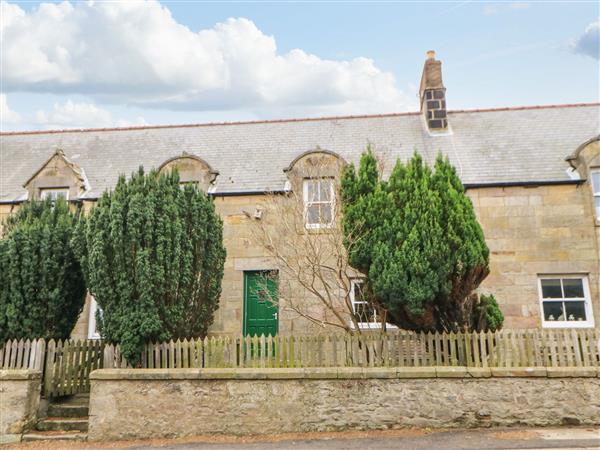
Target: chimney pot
(431, 54)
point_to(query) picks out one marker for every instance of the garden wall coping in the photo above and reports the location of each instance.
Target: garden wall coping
(341, 373)
(20, 374)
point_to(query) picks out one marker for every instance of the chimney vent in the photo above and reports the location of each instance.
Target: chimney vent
(433, 94)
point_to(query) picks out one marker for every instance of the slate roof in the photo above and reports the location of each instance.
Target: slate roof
(496, 146)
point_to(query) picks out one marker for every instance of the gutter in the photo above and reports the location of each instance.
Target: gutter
(283, 191)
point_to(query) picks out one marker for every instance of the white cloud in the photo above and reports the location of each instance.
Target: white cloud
(7, 115)
(79, 115)
(589, 42)
(137, 53)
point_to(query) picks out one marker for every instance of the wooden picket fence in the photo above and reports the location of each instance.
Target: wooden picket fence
(69, 364)
(66, 365)
(22, 354)
(510, 348)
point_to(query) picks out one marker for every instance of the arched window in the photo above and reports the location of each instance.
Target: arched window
(192, 170)
(316, 174)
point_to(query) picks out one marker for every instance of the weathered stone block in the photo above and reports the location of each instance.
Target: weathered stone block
(570, 372)
(518, 371)
(451, 372)
(417, 372)
(19, 402)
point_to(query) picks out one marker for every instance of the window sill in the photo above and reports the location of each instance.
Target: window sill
(373, 326)
(555, 325)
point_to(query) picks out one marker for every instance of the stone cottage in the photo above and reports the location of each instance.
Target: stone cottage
(533, 174)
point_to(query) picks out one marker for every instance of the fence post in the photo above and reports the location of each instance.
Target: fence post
(109, 356)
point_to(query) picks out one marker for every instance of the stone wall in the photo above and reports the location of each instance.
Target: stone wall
(127, 404)
(19, 402)
(536, 230)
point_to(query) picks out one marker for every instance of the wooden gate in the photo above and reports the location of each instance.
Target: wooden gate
(68, 366)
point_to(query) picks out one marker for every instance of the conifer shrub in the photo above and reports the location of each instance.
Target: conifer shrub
(417, 240)
(42, 288)
(153, 255)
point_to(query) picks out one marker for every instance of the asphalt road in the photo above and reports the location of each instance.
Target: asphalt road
(464, 440)
(473, 439)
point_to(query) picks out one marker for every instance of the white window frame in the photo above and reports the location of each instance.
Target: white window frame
(183, 184)
(375, 324)
(46, 192)
(595, 194)
(308, 203)
(92, 326)
(588, 323)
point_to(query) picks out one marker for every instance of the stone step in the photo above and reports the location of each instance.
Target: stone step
(54, 436)
(63, 424)
(67, 410)
(78, 399)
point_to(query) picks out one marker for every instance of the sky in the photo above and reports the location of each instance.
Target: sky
(128, 63)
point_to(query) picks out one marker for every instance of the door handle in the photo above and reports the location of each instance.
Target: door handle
(275, 315)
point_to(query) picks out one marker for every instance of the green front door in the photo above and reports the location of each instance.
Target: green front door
(260, 303)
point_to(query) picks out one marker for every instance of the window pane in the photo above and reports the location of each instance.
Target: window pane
(312, 214)
(553, 311)
(325, 213)
(597, 200)
(53, 194)
(575, 311)
(551, 288)
(358, 293)
(364, 312)
(311, 192)
(325, 190)
(573, 287)
(596, 182)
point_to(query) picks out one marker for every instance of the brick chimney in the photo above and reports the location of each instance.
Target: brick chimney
(433, 94)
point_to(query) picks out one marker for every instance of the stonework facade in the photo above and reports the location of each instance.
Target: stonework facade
(530, 230)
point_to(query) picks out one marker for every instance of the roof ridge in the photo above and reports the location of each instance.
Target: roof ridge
(303, 119)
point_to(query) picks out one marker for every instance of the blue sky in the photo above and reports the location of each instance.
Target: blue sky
(122, 64)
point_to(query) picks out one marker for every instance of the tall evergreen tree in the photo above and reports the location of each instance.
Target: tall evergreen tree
(42, 289)
(417, 240)
(153, 256)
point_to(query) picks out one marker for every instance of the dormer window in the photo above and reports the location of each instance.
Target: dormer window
(192, 170)
(54, 193)
(596, 191)
(57, 177)
(319, 202)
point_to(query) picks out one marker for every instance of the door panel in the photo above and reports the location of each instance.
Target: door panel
(260, 303)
